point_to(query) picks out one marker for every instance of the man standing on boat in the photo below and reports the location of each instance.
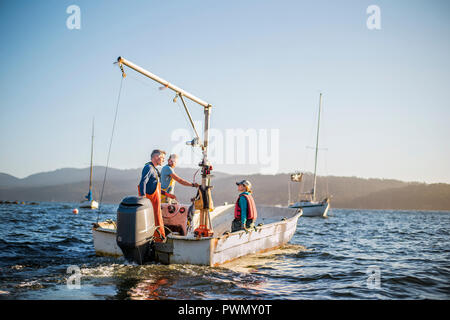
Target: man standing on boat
(150, 187)
(169, 177)
(245, 213)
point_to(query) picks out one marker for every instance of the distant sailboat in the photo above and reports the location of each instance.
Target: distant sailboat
(90, 203)
(311, 207)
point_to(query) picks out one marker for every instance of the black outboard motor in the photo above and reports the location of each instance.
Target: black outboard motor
(135, 228)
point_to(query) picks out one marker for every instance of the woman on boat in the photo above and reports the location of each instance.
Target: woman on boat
(245, 209)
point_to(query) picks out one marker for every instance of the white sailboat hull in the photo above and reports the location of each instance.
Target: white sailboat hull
(89, 204)
(278, 227)
(313, 209)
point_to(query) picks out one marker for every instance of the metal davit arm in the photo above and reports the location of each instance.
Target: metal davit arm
(205, 227)
(165, 83)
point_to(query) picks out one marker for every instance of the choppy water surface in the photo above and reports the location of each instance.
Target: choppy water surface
(353, 254)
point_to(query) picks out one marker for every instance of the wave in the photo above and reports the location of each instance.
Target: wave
(408, 280)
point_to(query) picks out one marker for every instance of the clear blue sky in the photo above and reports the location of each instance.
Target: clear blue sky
(261, 64)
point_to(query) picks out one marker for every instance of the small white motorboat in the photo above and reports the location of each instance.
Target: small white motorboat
(198, 233)
(275, 226)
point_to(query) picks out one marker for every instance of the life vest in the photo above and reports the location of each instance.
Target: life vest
(169, 189)
(251, 208)
(147, 185)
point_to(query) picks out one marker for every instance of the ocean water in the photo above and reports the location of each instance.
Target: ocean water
(352, 254)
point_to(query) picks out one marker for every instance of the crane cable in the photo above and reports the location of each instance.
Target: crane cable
(110, 144)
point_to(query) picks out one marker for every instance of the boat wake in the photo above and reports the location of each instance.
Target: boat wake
(254, 262)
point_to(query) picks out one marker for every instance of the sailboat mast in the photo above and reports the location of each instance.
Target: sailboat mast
(92, 152)
(317, 149)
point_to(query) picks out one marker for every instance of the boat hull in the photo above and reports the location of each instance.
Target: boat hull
(278, 227)
(218, 250)
(313, 209)
(104, 236)
(89, 204)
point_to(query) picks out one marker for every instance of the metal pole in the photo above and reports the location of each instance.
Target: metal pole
(189, 115)
(92, 152)
(205, 225)
(317, 148)
(165, 83)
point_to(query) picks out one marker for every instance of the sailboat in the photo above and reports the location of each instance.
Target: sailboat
(90, 203)
(311, 206)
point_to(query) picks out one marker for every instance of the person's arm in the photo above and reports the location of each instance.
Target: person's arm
(143, 182)
(182, 181)
(168, 195)
(243, 205)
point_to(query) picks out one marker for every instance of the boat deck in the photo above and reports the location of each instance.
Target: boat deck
(222, 217)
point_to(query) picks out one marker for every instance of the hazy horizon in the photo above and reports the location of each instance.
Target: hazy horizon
(235, 174)
(261, 64)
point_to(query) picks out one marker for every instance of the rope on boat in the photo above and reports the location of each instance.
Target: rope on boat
(110, 144)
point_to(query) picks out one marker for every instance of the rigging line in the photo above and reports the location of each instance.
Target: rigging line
(324, 138)
(142, 82)
(289, 192)
(185, 117)
(303, 182)
(151, 86)
(326, 172)
(110, 144)
(193, 179)
(195, 150)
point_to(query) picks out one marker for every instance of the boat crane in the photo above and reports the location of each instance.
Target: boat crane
(132, 235)
(204, 202)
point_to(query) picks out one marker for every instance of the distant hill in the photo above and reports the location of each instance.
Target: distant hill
(411, 197)
(70, 184)
(65, 176)
(7, 180)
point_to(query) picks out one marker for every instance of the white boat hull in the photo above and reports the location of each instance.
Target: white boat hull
(278, 227)
(313, 209)
(104, 236)
(89, 204)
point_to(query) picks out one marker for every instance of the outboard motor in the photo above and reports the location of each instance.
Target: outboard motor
(135, 228)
